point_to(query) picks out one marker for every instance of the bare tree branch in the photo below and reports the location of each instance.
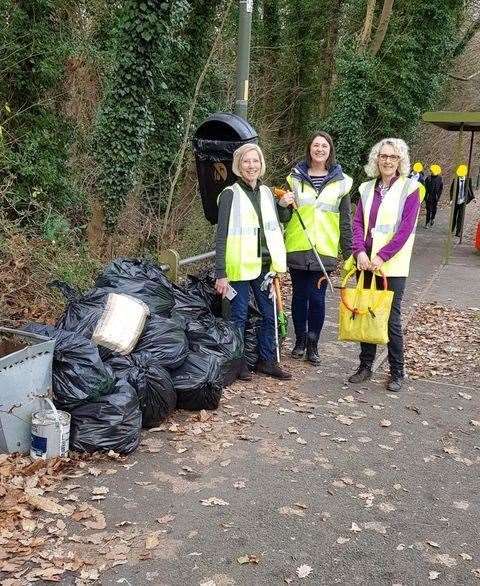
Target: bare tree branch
(366, 33)
(382, 26)
(189, 119)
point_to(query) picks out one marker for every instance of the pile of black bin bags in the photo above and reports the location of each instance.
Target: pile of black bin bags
(185, 355)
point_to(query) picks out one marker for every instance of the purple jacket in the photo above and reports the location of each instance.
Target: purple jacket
(407, 225)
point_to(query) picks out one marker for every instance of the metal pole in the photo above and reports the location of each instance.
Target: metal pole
(448, 242)
(243, 56)
(470, 151)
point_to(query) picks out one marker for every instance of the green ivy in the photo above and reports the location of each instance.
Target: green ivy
(125, 119)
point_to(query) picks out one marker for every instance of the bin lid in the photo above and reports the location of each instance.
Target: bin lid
(223, 126)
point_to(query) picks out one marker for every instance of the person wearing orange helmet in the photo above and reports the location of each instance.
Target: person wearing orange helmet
(433, 188)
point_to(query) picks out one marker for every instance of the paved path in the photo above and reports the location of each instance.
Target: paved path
(362, 486)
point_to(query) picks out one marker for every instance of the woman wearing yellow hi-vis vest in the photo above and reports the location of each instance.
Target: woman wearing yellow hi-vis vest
(319, 192)
(249, 246)
(383, 235)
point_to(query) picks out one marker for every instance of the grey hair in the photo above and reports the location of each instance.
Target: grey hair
(240, 153)
(401, 149)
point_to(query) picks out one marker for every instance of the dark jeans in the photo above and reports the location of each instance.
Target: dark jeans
(308, 301)
(239, 313)
(458, 218)
(431, 205)
(395, 344)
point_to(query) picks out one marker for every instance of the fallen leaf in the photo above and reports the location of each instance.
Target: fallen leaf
(466, 557)
(212, 501)
(344, 419)
(248, 559)
(303, 571)
(47, 505)
(445, 560)
(375, 526)
(29, 525)
(166, 519)
(152, 541)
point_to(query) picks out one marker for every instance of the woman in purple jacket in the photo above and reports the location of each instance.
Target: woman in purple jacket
(383, 235)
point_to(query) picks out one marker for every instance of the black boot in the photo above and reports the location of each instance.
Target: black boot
(362, 374)
(395, 383)
(244, 373)
(300, 345)
(312, 349)
(271, 368)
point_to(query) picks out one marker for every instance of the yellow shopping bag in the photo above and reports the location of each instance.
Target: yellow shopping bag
(364, 313)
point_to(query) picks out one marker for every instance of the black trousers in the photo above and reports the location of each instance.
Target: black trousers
(458, 218)
(395, 334)
(431, 205)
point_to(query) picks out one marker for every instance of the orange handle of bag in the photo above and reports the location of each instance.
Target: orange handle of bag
(355, 310)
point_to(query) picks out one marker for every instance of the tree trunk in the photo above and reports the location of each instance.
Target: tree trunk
(329, 58)
(382, 26)
(365, 35)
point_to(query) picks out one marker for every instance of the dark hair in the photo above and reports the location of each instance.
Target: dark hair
(331, 157)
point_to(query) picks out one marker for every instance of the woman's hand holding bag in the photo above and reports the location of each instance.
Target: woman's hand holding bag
(364, 313)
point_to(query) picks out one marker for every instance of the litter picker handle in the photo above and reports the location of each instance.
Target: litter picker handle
(278, 192)
(278, 293)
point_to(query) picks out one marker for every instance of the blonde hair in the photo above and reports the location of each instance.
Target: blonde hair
(401, 149)
(241, 152)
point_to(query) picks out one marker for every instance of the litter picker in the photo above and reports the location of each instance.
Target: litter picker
(280, 193)
(282, 318)
(268, 285)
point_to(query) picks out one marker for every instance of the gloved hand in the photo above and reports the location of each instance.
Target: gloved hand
(267, 283)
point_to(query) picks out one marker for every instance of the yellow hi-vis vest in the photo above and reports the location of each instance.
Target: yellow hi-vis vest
(243, 261)
(388, 221)
(320, 213)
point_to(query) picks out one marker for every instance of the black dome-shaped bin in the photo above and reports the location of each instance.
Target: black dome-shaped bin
(214, 143)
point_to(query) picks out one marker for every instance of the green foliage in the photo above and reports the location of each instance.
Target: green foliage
(384, 95)
(35, 137)
(126, 120)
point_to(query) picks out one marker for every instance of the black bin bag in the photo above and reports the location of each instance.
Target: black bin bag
(140, 278)
(203, 285)
(112, 423)
(197, 382)
(165, 340)
(189, 304)
(222, 337)
(82, 311)
(151, 382)
(79, 375)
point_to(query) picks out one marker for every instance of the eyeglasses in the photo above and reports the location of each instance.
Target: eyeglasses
(385, 158)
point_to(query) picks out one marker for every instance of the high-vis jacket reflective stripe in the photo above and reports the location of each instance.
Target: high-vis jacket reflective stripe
(243, 260)
(388, 221)
(320, 213)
